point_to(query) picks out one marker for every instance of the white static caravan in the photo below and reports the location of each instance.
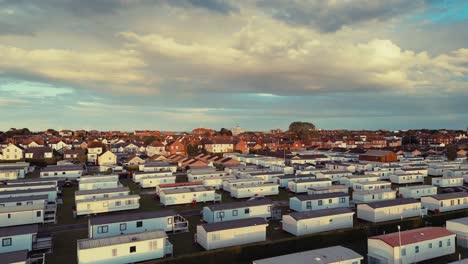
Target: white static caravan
(11, 173)
(302, 203)
(446, 202)
(383, 174)
(231, 233)
(157, 166)
(350, 180)
(123, 224)
(373, 196)
(447, 181)
(371, 186)
(301, 186)
(333, 175)
(198, 175)
(264, 189)
(390, 210)
(231, 170)
(28, 186)
(228, 184)
(283, 180)
(50, 192)
(189, 195)
(330, 255)
(137, 176)
(310, 222)
(439, 169)
(411, 246)
(339, 166)
(104, 201)
(238, 210)
(62, 171)
(179, 185)
(267, 176)
(98, 182)
(216, 182)
(329, 189)
(24, 211)
(405, 178)
(153, 181)
(460, 227)
(17, 238)
(417, 191)
(456, 172)
(124, 248)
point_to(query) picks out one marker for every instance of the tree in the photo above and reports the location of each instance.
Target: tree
(302, 130)
(150, 140)
(409, 140)
(451, 152)
(225, 132)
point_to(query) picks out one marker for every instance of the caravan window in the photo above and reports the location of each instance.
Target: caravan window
(123, 227)
(234, 212)
(6, 242)
(103, 229)
(139, 224)
(132, 249)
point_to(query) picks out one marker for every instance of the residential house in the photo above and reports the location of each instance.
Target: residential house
(75, 155)
(39, 153)
(155, 148)
(219, 145)
(107, 158)
(12, 152)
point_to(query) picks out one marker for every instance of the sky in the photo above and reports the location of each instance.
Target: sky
(260, 64)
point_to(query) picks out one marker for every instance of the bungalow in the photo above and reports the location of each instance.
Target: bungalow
(446, 202)
(390, 210)
(62, 171)
(318, 201)
(105, 200)
(189, 195)
(11, 152)
(335, 176)
(311, 222)
(406, 178)
(417, 191)
(373, 185)
(124, 248)
(330, 255)
(460, 228)
(328, 189)
(157, 166)
(123, 224)
(447, 181)
(263, 189)
(231, 233)
(284, 180)
(374, 195)
(238, 210)
(351, 180)
(378, 156)
(301, 186)
(179, 185)
(99, 182)
(107, 158)
(411, 246)
(229, 184)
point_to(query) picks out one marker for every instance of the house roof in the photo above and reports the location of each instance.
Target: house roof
(235, 205)
(122, 239)
(446, 196)
(413, 236)
(130, 217)
(396, 202)
(309, 197)
(18, 230)
(213, 227)
(320, 213)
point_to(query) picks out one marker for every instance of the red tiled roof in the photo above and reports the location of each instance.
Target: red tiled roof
(414, 236)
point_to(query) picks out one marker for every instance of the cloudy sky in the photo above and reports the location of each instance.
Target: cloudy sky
(181, 64)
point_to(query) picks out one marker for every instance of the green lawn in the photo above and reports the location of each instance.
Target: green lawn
(64, 247)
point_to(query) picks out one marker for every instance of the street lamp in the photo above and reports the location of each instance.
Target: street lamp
(399, 240)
